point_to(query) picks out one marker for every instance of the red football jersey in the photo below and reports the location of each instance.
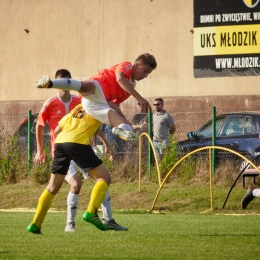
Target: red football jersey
(107, 79)
(53, 110)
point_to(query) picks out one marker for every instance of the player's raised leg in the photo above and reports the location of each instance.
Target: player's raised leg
(121, 126)
(85, 88)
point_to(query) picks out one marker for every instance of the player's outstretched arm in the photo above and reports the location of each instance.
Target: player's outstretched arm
(57, 130)
(124, 84)
(108, 149)
(40, 156)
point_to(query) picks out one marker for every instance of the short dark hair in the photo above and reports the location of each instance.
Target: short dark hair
(147, 59)
(159, 99)
(62, 73)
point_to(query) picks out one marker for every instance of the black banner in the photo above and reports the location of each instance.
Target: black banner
(226, 38)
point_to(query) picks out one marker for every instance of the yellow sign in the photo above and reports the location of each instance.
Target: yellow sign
(223, 40)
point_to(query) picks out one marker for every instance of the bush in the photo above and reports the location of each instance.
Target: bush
(14, 166)
(170, 156)
(41, 173)
(13, 163)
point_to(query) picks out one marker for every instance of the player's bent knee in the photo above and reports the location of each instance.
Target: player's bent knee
(107, 179)
(55, 183)
(101, 172)
(53, 190)
(115, 119)
(75, 188)
(87, 88)
(75, 184)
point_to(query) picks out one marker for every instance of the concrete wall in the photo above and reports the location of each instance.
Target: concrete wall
(84, 36)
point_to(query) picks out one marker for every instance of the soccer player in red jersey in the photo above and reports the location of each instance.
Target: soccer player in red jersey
(102, 93)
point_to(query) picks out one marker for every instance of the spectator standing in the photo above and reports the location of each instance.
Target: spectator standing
(140, 121)
(140, 125)
(163, 125)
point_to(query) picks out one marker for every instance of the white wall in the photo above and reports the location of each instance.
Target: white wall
(84, 36)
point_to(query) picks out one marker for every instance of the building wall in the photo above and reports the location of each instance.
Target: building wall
(84, 36)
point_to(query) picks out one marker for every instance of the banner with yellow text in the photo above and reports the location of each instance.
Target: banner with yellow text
(226, 38)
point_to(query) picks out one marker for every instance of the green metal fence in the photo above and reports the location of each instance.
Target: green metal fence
(185, 121)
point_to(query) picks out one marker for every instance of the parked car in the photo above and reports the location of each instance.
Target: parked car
(22, 133)
(237, 131)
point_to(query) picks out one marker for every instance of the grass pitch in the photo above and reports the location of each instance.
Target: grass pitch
(150, 236)
(186, 230)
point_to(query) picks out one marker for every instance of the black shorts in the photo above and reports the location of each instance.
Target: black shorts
(82, 155)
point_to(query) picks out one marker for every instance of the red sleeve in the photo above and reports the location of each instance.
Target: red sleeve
(125, 67)
(43, 116)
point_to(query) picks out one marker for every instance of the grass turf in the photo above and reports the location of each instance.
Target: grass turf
(183, 232)
(150, 236)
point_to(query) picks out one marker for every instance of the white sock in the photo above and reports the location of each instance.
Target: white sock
(106, 207)
(72, 203)
(256, 192)
(126, 127)
(66, 84)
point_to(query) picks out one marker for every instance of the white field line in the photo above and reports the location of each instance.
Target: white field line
(28, 210)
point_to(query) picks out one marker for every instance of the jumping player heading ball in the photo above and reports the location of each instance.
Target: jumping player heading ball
(102, 93)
